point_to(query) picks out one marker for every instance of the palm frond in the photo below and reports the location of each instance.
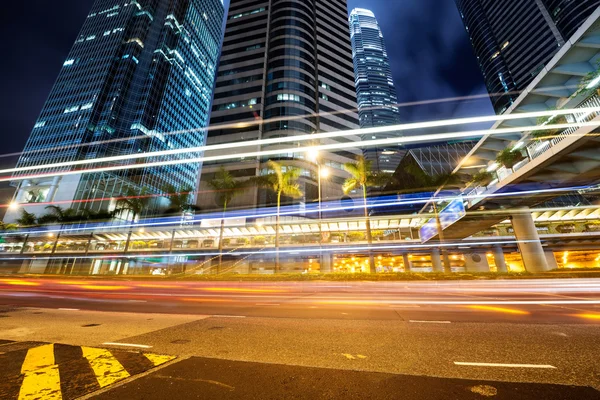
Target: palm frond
(353, 169)
(292, 191)
(349, 185)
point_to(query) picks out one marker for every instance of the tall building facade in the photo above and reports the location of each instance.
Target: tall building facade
(514, 39)
(285, 70)
(138, 79)
(375, 90)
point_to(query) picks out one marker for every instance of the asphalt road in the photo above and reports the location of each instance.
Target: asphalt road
(434, 340)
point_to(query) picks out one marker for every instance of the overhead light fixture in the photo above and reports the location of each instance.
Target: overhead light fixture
(493, 167)
(593, 83)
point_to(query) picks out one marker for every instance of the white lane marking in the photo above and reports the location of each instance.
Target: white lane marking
(69, 309)
(474, 364)
(228, 316)
(267, 304)
(141, 346)
(137, 301)
(429, 322)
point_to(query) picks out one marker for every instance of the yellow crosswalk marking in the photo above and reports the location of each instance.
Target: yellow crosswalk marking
(38, 357)
(157, 359)
(107, 368)
(43, 383)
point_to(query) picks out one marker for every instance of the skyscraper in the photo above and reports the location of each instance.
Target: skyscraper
(285, 70)
(375, 90)
(514, 39)
(138, 79)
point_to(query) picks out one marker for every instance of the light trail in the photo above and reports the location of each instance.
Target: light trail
(261, 121)
(272, 212)
(292, 252)
(296, 150)
(313, 137)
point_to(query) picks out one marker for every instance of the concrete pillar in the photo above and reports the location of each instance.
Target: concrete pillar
(529, 242)
(325, 263)
(406, 261)
(499, 259)
(551, 259)
(476, 262)
(436, 260)
(53, 188)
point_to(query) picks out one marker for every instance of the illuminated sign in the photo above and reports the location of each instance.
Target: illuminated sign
(451, 214)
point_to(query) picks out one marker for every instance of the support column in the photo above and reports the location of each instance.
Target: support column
(529, 242)
(406, 261)
(476, 262)
(53, 188)
(436, 260)
(499, 259)
(326, 263)
(551, 259)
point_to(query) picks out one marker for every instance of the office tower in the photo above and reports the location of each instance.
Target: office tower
(285, 70)
(375, 90)
(138, 79)
(514, 39)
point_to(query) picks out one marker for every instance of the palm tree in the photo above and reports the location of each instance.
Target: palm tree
(226, 187)
(26, 219)
(282, 183)
(59, 214)
(422, 181)
(133, 202)
(179, 199)
(362, 177)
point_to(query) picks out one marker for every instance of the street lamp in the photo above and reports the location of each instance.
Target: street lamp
(313, 156)
(13, 205)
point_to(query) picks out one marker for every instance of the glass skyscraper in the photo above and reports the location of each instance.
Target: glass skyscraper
(375, 90)
(138, 79)
(285, 70)
(514, 39)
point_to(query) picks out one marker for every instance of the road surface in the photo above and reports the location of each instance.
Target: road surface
(454, 340)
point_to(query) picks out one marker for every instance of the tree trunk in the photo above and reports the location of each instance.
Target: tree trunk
(369, 236)
(277, 233)
(221, 239)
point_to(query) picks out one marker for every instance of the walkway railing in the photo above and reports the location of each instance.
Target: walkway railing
(537, 148)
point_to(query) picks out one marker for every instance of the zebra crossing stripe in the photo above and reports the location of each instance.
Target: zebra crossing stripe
(37, 358)
(42, 379)
(43, 383)
(107, 368)
(41, 371)
(157, 359)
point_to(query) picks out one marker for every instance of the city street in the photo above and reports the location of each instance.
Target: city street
(464, 339)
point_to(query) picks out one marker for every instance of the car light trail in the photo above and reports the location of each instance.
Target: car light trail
(236, 290)
(499, 309)
(593, 317)
(19, 282)
(100, 287)
(356, 132)
(271, 213)
(267, 153)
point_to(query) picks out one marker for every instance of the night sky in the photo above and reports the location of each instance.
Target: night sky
(430, 55)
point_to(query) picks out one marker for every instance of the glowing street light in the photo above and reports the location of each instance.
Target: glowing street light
(312, 155)
(13, 206)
